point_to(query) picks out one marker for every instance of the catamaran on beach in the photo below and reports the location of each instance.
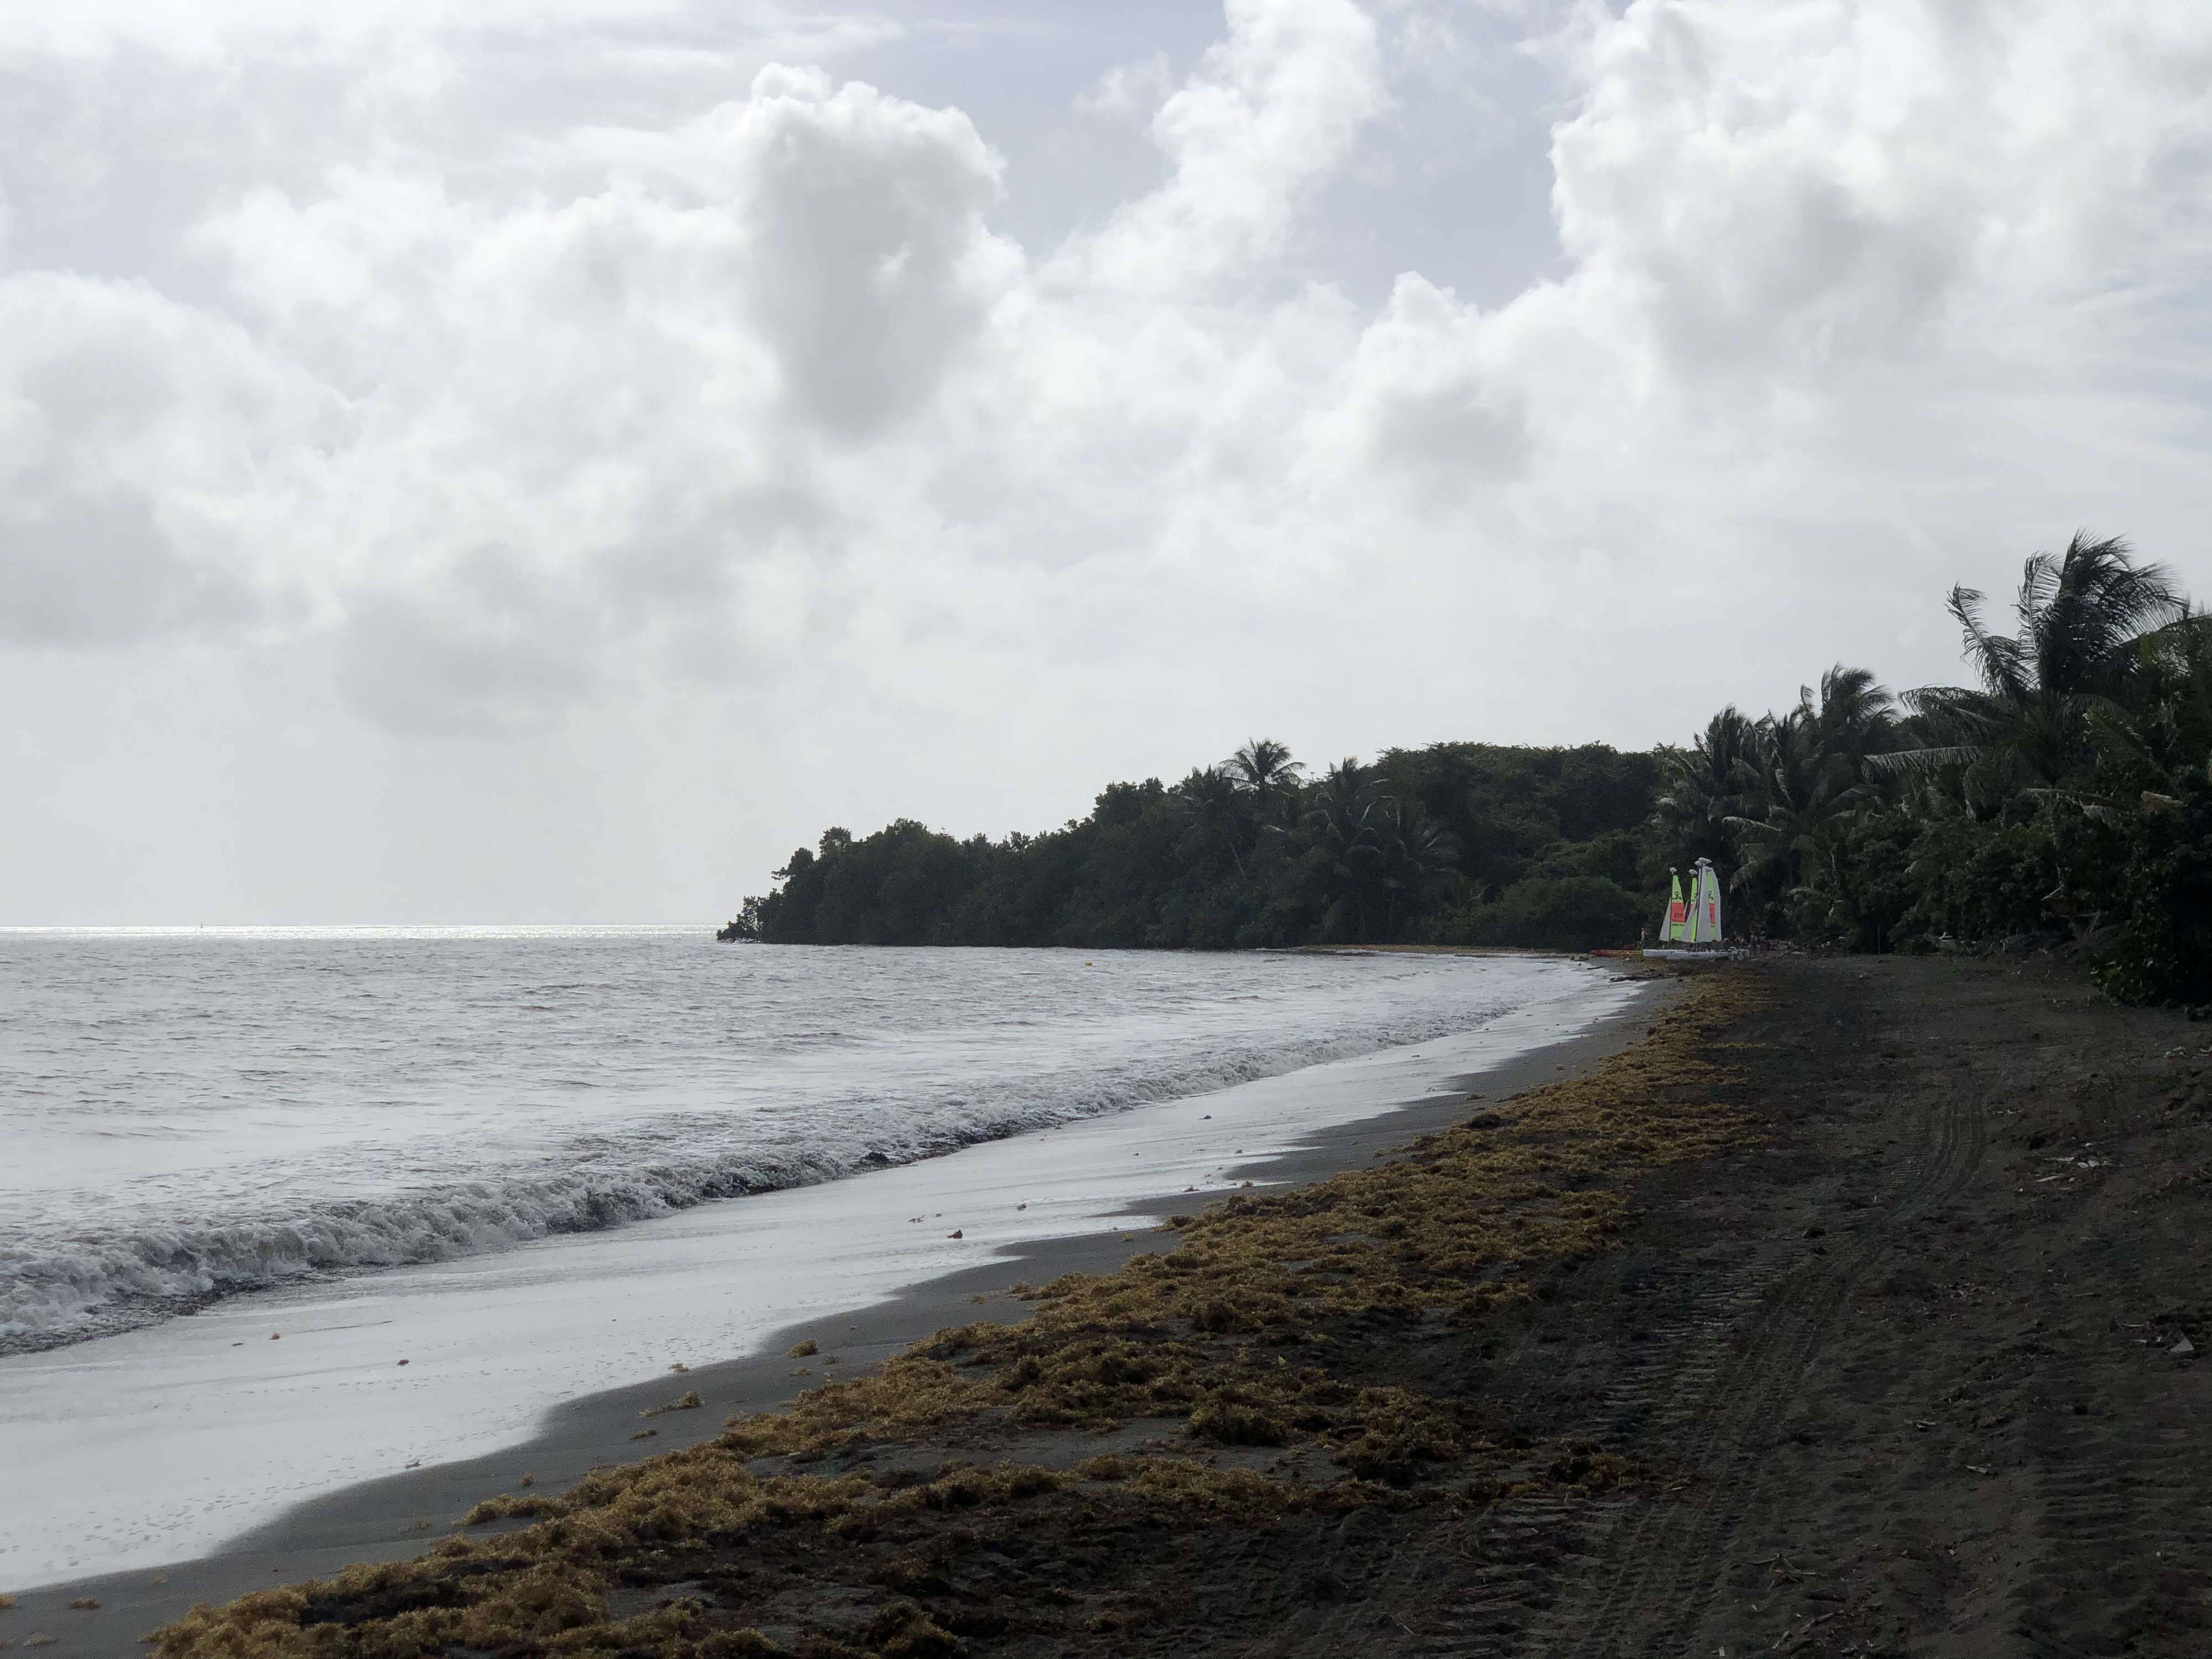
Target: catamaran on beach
(1695, 922)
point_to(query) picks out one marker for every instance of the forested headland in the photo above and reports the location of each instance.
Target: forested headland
(1461, 843)
(2065, 797)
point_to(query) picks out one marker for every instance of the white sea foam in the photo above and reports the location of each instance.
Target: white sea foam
(195, 1114)
(158, 1443)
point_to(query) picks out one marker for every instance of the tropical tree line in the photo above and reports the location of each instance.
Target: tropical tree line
(1461, 843)
(2064, 797)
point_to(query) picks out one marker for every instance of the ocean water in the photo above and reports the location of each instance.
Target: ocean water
(188, 1115)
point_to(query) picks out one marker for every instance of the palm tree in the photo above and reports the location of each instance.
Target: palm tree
(1373, 860)
(1853, 716)
(2082, 615)
(1214, 811)
(1345, 850)
(2158, 745)
(1417, 853)
(1805, 791)
(1701, 786)
(1263, 768)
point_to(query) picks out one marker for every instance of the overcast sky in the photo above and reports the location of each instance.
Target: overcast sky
(504, 462)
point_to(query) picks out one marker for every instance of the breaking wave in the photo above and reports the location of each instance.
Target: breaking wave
(129, 1259)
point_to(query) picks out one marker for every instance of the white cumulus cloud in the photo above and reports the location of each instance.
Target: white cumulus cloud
(1860, 297)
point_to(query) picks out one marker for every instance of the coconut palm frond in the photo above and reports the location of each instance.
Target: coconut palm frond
(2000, 661)
(1214, 812)
(2051, 692)
(1264, 766)
(1921, 762)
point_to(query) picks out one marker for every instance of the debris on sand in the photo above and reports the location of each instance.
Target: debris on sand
(1230, 1343)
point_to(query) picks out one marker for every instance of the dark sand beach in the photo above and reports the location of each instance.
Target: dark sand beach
(384, 1520)
(1861, 1310)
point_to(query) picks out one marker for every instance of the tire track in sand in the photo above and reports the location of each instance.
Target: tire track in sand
(2125, 1528)
(1658, 1565)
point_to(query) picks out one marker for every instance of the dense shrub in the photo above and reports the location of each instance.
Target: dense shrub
(2164, 952)
(1981, 883)
(1558, 913)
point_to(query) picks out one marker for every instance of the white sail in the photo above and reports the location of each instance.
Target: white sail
(1705, 905)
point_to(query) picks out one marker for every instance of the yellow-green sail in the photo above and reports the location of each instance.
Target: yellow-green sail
(1705, 905)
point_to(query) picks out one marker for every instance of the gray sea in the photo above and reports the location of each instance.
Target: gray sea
(186, 1114)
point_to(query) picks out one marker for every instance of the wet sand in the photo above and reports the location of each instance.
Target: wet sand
(1914, 1366)
(400, 1517)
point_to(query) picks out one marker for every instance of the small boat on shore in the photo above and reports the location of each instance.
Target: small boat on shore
(1692, 929)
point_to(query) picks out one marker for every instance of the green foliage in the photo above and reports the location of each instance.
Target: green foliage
(1556, 912)
(2083, 617)
(1981, 881)
(2164, 952)
(1535, 848)
(1871, 892)
(2065, 799)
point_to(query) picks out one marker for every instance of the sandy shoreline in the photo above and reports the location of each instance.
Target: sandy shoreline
(1859, 1312)
(384, 1520)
